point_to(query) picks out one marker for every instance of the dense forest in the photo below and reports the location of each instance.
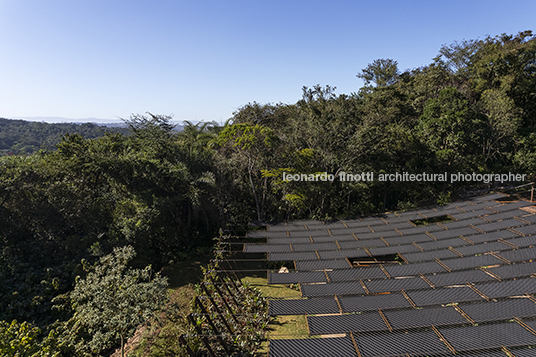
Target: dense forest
(167, 193)
(19, 137)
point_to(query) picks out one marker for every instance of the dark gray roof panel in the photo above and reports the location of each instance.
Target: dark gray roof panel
(420, 230)
(340, 238)
(459, 277)
(519, 255)
(506, 334)
(495, 226)
(500, 310)
(359, 230)
(340, 232)
(505, 215)
(515, 270)
(529, 230)
(417, 238)
(479, 206)
(264, 248)
(318, 347)
(266, 234)
(428, 256)
(443, 296)
(393, 250)
(473, 261)
(384, 285)
(492, 196)
(353, 224)
(531, 323)
(482, 248)
(334, 225)
(303, 306)
(398, 344)
(288, 240)
(512, 206)
(313, 234)
(355, 274)
(471, 214)
(523, 241)
(442, 212)
(341, 288)
(500, 289)
(529, 218)
(372, 302)
(362, 243)
(350, 253)
(377, 235)
(334, 324)
(413, 269)
(297, 277)
(277, 227)
(304, 265)
(415, 318)
(464, 223)
(390, 227)
(292, 256)
(492, 236)
(521, 352)
(444, 243)
(464, 230)
(314, 246)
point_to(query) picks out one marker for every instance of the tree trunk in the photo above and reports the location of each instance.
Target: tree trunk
(250, 169)
(122, 347)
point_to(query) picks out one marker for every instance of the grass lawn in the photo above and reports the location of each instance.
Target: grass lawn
(283, 327)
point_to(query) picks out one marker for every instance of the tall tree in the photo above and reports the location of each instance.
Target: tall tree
(251, 147)
(381, 72)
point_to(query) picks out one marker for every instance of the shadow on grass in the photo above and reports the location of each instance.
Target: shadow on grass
(187, 271)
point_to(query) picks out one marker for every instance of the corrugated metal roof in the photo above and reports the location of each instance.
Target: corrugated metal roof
(451, 280)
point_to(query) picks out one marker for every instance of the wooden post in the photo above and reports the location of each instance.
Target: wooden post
(216, 308)
(233, 296)
(182, 340)
(200, 333)
(231, 281)
(532, 193)
(216, 331)
(226, 304)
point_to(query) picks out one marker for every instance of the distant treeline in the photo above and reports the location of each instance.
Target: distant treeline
(20, 137)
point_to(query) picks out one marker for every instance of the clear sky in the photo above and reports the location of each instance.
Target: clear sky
(202, 60)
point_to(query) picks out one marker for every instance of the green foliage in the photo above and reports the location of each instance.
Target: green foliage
(18, 339)
(381, 72)
(229, 308)
(112, 300)
(448, 126)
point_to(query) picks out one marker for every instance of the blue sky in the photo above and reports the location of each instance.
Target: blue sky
(202, 60)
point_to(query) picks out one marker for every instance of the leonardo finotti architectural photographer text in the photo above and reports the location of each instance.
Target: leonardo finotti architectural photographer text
(405, 177)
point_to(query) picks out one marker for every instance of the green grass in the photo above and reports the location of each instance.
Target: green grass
(283, 327)
(288, 326)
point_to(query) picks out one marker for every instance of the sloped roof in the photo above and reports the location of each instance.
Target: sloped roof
(463, 286)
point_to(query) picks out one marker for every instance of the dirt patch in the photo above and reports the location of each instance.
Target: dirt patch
(131, 342)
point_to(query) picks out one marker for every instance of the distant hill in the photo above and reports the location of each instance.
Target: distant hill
(19, 137)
